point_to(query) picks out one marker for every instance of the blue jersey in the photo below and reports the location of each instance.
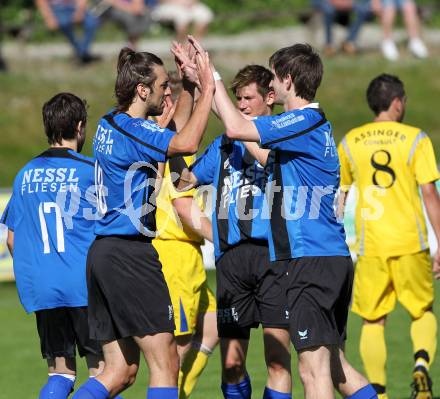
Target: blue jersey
(238, 212)
(304, 180)
(127, 152)
(51, 213)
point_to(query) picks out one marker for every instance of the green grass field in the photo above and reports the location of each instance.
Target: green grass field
(23, 371)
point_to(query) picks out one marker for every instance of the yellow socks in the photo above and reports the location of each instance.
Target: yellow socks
(194, 363)
(374, 355)
(424, 338)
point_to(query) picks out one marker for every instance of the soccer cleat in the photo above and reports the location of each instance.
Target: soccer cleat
(422, 384)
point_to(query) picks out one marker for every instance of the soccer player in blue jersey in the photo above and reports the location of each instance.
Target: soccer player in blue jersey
(250, 288)
(129, 304)
(50, 218)
(304, 233)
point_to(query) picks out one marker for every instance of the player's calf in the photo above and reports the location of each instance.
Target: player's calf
(314, 372)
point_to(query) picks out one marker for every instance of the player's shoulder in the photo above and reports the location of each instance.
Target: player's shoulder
(83, 159)
(307, 117)
(410, 131)
(65, 157)
(28, 166)
(220, 140)
(352, 133)
(383, 126)
(139, 126)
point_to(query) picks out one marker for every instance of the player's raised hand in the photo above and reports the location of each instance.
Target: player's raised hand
(204, 72)
(185, 61)
(195, 44)
(436, 264)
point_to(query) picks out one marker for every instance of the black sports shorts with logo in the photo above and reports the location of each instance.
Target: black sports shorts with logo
(128, 295)
(250, 290)
(319, 295)
(63, 329)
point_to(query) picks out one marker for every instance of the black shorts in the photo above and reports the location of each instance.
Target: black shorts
(128, 295)
(63, 329)
(319, 295)
(250, 290)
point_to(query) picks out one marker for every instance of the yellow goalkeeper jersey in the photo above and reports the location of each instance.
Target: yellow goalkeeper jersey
(386, 161)
(168, 224)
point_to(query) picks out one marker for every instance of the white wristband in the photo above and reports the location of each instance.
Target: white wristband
(216, 76)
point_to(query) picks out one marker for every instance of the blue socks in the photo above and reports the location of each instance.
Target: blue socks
(242, 390)
(57, 387)
(367, 392)
(92, 389)
(162, 393)
(271, 394)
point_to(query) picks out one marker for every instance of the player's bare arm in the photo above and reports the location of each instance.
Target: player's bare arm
(10, 242)
(190, 80)
(342, 200)
(237, 127)
(431, 199)
(258, 153)
(193, 217)
(187, 140)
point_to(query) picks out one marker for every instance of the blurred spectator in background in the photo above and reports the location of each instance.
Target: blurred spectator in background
(64, 15)
(132, 16)
(352, 13)
(387, 10)
(3, 66)
(183, 13)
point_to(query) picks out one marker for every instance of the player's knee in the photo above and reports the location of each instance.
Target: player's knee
(310, 372)
(277, 369)
(233, 369)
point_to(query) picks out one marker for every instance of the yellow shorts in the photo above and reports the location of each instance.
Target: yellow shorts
(378, 282)
(182, 266)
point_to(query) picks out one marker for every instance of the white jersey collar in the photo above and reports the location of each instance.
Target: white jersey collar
(311, 105)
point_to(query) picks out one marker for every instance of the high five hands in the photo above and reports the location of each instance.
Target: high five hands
(193, 64)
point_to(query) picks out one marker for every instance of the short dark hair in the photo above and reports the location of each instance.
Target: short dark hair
(382, 90)
(303, 64)
(61, 115)
(133, 68)
(257, 74)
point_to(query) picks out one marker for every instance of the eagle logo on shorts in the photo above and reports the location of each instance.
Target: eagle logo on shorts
(303, 334)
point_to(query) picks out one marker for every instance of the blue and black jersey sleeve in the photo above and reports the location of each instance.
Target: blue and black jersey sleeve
(153, 142)
(205, 166)
(288, 131)
(147, 140)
